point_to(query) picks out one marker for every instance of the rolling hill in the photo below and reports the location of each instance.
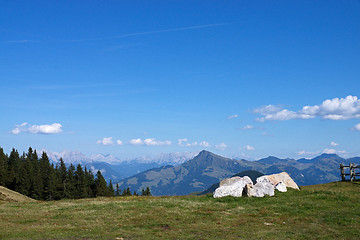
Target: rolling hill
(7, 195)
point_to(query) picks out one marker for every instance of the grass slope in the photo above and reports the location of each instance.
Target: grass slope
(325, 211)
(8, 195)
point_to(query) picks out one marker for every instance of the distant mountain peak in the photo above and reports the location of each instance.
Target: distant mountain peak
(327, 155)
(204, 153)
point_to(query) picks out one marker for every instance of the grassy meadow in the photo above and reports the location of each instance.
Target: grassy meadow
(327, 211)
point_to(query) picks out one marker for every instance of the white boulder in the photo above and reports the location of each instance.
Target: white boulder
(265, 186)
(280, 177)
(281, 187)
(232, 187)
(260, 189)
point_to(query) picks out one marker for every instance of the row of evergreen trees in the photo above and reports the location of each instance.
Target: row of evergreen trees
(40, 179)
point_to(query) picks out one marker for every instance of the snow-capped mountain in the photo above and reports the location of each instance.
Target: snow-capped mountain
(76, 157)
(174, 159)
(114, 168)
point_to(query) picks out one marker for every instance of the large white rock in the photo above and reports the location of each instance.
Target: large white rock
(232, 187)
(281, 187)
(280, 177)
(260, 189)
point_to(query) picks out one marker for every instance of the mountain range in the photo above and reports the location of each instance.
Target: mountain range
(184, 173)
(115, 168)
(205, 169)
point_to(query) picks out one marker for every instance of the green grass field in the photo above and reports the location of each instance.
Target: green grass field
(328, 211)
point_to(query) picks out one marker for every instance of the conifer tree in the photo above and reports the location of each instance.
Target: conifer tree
(23, 185)
(70, 183)
(101, 186)
(47, 178)
(37, 186)
(126, 192)
(13, 167)
(117, 191)
(146, 192)
(111, 189)
(52, 193)
(3, 167)
(89, 183)
(62, 176)
(80, 183)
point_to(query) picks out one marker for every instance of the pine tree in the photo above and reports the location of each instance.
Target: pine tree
(13, 167)
(126, 192)
(118, 191)
(80, 185)
(62, 176)
(111, 189)
(3, 168)
(47, 178)
(53, 183)
(36, 189)
(23, 185)
(101, 186)
(89, 183)
(70, 183)
(146, 192)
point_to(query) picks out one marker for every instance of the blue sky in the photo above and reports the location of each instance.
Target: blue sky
(132, 78)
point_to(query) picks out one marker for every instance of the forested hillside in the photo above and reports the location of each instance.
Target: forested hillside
(38, 179)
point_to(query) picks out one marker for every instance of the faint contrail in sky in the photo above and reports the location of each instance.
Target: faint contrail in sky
(120, 36)
(149, 32)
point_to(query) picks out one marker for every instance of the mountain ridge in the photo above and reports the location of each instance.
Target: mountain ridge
(207, 168)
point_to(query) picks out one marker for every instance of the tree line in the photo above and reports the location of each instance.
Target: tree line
(39, 179)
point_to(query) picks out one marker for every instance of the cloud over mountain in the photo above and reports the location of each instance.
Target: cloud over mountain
(148, 142)
(105, 141)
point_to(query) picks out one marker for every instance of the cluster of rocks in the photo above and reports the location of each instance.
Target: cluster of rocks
(265, 186)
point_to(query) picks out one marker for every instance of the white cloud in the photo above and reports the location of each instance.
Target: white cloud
(137, 141)
(268, 109)
(182, 141)
(334, 144)
(192, 144)
(333, 109)
(333, 151)
(44, 129)
(247, 127)
(148, 142)
(221, 146)
(105, 141)
(119, 142)
(307, 153)
(329, 151)
(232, 116)
(357, 127)
(153, 142)
(16, 131)
(281, 115)
(249, 148)
(204, 144)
